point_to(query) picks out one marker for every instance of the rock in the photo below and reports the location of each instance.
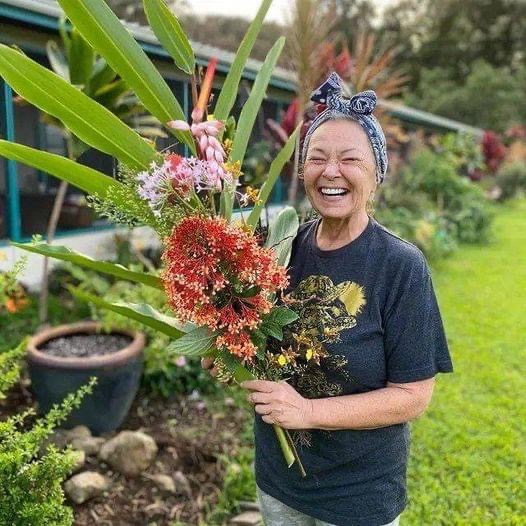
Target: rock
(181, 483)
(62, 437)
(248, 518)
(85, 486)
(130, 452)
(90, 445)
(80, 460)
(164, 482)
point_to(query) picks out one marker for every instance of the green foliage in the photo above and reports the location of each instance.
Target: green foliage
(105, 33)
(238, 484)
(9, 280)
(30, 482)
(511, 179)
(490, 97)
(435, 207)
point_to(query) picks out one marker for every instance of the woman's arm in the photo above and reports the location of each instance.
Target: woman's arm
(280, 403)
(394, 404)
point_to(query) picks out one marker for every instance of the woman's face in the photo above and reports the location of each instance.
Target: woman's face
(339, 169)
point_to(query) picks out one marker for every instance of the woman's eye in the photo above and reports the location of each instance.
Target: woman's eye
(350, 159)
(317, 160)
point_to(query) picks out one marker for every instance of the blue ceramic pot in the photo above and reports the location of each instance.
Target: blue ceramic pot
(119, 374)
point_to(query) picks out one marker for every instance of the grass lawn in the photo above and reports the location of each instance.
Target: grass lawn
(469, 451)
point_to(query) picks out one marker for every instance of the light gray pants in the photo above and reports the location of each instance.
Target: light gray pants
(275, 513)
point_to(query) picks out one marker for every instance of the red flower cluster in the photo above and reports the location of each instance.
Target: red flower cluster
(217, 275)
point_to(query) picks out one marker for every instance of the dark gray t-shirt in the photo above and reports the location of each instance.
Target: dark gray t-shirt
(373, 304)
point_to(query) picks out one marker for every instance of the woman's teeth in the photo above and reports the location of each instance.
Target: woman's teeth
(333, 191)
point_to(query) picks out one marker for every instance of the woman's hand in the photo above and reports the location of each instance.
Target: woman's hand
(279, 403)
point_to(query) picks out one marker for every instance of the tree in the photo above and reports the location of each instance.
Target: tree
(491, 97)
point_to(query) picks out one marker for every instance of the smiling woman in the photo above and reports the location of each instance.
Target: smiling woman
(368, 313)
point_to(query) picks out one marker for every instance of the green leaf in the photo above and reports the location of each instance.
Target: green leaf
(81, 59)
(197, 342)
(274, 172)
(87, 179)
(227, 97)
(281, 315)
(106, 267)
(105, 33)
(271, 328)
(282, 232)
(251, 107)
(136, 311)
(88, 120)
(57, 60)
(102, 74)
(168, 30)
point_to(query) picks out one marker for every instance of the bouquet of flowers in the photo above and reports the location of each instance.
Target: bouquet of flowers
(222, 281)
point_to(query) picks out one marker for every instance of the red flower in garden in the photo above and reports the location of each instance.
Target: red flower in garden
(493, 149)
(217, 275)
(174, 160)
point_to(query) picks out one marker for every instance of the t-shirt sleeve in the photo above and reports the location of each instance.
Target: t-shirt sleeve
(414, 338)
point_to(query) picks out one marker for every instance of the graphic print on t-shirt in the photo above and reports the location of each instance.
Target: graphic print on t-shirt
(324, 310)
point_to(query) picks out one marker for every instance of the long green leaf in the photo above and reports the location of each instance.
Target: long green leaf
(81, 59)
(170, 34)
(274, 172)
(87, 179)
(103, 30)
(136, 311)
(106, 267)
(228, 94)
(88, 120)
(282, 232)
(251, 108)
(197, 342)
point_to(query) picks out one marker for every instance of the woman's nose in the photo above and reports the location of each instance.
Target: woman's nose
(332, 169)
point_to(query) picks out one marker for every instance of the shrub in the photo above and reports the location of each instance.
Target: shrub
(511, 179)
(30, 483)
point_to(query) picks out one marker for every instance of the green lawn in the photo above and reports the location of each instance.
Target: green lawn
(469, 450)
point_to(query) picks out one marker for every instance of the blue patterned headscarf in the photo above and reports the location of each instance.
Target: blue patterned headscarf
(358, 108)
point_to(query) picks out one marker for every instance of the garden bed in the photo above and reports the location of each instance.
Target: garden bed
(194, 437)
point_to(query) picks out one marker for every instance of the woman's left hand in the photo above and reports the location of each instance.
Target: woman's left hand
(279, 403)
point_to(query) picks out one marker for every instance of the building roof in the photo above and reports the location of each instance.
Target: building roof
(47, 12)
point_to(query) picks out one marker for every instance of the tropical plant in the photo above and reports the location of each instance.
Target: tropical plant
(78, 64)
(106, 132)
(30, 482)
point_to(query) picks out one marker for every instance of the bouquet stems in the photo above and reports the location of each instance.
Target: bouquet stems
(242, 374)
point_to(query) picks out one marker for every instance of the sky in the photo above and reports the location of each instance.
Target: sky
(247, 8)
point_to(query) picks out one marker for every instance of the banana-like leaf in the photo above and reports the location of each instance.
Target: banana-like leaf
(250, 109)
(230, 88)
(135, 311)
(105, 33)
(106, 267)
(88, 120)
(170, 34)
(274, 172)
(282, 232)
(87, 179)
(197, 342)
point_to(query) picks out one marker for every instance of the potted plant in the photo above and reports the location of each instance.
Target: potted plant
(63, 358)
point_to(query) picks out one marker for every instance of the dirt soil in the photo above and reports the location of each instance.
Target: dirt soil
(190, 438)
